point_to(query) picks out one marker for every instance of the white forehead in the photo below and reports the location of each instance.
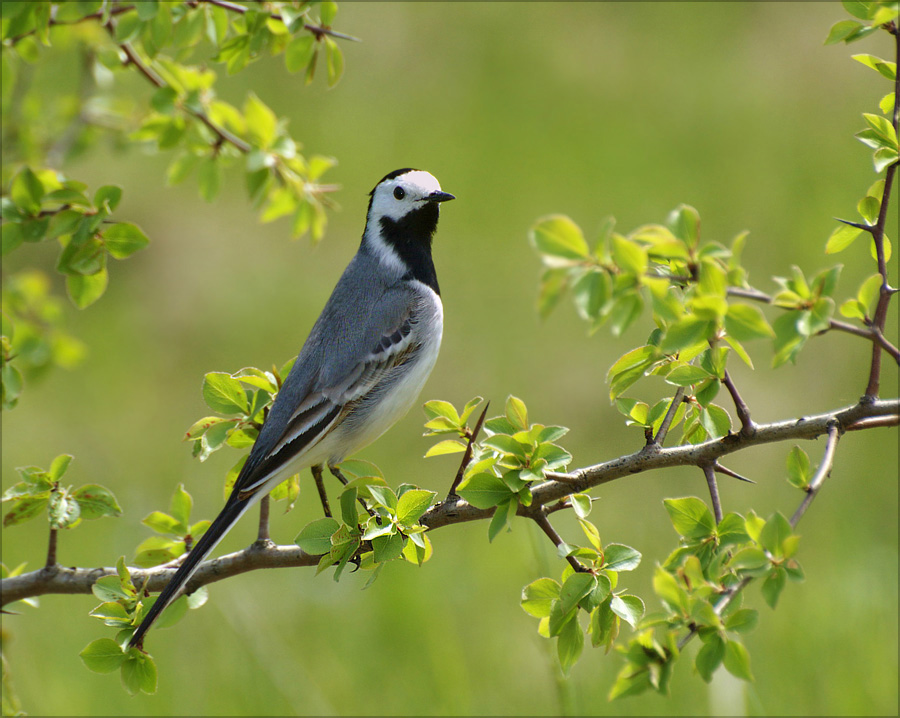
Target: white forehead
(419, 180)
(417, 184)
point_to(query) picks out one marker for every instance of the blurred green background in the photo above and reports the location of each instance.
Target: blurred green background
(520, 109)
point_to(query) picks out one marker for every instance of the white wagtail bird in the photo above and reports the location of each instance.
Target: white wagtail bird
(362, 366)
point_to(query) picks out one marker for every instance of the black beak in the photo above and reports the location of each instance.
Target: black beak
(440, 197)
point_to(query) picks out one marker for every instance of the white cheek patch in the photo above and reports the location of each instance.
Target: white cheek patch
(417, 185)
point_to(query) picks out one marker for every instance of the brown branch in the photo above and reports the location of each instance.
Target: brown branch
(747, 427)
(320, 487)
(51, 548)
(812, 489)
(667, 419)
(873, 334)
(540, 518)
(85, 18)
(885, 294)
(62, 579)
(467, 456)
(153, 77)
(59, 579)
(316, 30)
(263, 533)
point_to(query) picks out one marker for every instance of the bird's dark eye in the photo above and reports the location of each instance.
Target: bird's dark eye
(399, 193)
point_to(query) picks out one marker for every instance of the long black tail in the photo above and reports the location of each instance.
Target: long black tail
(233, 510)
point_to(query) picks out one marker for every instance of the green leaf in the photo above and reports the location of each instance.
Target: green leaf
(744, 322)
(559, 240)
(619, 557)
(448, 446)
(884, 67)
(299, 53)
(569, 645)
(517, 413)
(224, 393)
(687, 375)
(538, 597)
(859, 8)
(868, 293)
(315, 538)
(685, 224)
(123, 239)
(575, 587)
(506, 445)
(774, 534)
(27, 191)
(690, 517)
(841, 238)
(164, 524)
(102, 656)
(334, 61)
(685, 333)
(629, 256)
(737, 660)
(180, 506)
(58, 466)
(262, 123)
(139, 672)
(109, 588)
(95, 501)
(108, 197)
(629, 608)
(742, 620)
(387, 547)
(484, 490)
(842, 30)
(799, 472)
(773, 585)
(84, 290)
(709, 657)
(23, 510)
(412, 504)
(349, 513)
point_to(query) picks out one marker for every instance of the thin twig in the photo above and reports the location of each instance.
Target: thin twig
(873, 422)
(709, 471)
(263, 533)
(314, 29)
(85, 18)
(51, 548)
(148, 72)
(814, 485)
(873, 334)
(667, 419)
(467, 456)
(747, 426)
(540, 518)
(834, 433)
(320, 487)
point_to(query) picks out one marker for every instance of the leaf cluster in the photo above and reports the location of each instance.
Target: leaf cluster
(385, 530)
(558, 604)
(697, 585)
(42, 490)
(123, 607)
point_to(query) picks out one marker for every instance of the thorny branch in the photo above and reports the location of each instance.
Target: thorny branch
(549, 493)
(834, 433)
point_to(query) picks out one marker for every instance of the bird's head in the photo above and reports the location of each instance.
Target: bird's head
(406, 192)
